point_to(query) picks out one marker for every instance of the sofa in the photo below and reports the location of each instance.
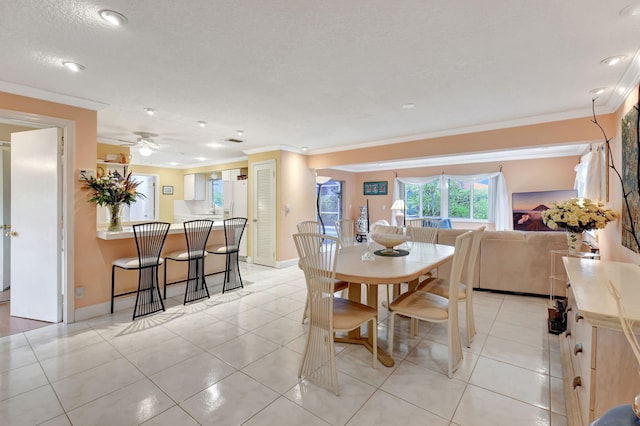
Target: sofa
(512, 261)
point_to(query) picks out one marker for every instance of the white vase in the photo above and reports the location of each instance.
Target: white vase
(574, 241)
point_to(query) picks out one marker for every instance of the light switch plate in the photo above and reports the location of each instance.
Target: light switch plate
(87, 173)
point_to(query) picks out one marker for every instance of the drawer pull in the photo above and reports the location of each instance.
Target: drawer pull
(568, 285)
(567, 334)
(570, 308)
(577, 348)
(577, 381)
(578, 316)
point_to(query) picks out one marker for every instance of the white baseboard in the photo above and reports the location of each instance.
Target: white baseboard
(286, 263)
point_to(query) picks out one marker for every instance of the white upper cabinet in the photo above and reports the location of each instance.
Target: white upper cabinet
(231, 174)
(194, 187)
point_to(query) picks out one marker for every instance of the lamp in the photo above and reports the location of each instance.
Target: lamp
(398, 206)
(145, 151)
(320, 180)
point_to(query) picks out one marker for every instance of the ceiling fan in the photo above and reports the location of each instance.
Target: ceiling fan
(145, 143)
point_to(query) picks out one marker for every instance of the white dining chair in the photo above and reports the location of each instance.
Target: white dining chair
(345, 228)
(440, 286)
(327, 314)
(420, 305)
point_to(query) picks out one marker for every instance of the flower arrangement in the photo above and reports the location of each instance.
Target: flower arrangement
(578, 214)
(112, 189)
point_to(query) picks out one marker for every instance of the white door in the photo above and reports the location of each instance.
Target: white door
(36, 224)
(5, 218)
(263, 241)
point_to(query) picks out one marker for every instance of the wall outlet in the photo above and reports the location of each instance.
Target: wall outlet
(79, 292)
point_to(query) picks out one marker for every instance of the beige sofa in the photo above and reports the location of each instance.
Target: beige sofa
(514, 261)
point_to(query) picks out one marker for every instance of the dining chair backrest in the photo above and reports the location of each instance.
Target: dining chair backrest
(431, 223)
(415, 223)
(309, 226)
(233, 229)
(462, 246)
(318, 260)
(473, 257)
(422, 235)
(150, 238)
(346, 232)
(197, 233)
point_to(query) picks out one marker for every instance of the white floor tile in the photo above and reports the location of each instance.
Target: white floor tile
(244, 350)
(20, 380)
(284, 412)
(33, 407)
(385, 409)
(172, 417)
(81, 360)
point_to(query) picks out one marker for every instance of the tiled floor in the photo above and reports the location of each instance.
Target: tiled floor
(234, 359)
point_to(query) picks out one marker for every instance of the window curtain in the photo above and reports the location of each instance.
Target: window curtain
(590, 174)
(500, 205)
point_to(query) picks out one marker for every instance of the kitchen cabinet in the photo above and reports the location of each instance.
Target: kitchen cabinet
(599, 368)
(194, 188)
(231, 174)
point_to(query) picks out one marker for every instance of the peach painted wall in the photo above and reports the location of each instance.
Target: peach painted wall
(578, 130)
(609, 239)
(88, 267)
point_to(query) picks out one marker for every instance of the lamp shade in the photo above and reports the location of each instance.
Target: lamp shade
(398, 205)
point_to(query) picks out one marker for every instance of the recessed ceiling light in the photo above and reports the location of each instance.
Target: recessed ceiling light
(202, 123)
(612, 60)
(305, 148)
(631, 10)
(173, 163)
(113, 17)
(597, 91)
(214, 145)
(240, 132)
(73, 66)
(408, 106)
(200, 158)
(150, 111)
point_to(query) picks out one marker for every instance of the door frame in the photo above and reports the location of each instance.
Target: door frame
(68, 167)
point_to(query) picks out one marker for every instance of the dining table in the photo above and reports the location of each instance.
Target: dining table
(384, 270)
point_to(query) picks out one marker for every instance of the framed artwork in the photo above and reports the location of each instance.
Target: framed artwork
(630, 178)
(376, 188)
(528, 207)
(167, 190)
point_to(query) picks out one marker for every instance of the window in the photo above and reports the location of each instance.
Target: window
(331, 205)
(215, 196)
(465, 199)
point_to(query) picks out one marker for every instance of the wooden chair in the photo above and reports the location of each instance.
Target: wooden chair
(196, 233)
(441, 287)
(420, 305)
(346, 232)
(313, 227)
(149, 239)
(309, 226)
(327, 314)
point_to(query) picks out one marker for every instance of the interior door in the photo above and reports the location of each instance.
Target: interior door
(263, 241)
(36, 225)
(5, 218)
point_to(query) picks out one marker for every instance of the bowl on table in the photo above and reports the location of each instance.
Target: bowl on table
(389, 241)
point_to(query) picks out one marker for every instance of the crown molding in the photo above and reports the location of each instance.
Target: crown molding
(628, 83)
(32, 92)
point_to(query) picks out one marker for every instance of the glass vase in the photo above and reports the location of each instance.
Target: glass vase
(115, 225)
(574, 241)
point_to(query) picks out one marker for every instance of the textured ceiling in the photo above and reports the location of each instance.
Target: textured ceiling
(324, 75)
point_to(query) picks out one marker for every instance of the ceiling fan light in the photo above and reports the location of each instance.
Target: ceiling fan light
(145, 151)
(73, 66)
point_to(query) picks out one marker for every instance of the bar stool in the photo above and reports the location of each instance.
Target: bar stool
(196, 233)
(150, 239)
(233, 229)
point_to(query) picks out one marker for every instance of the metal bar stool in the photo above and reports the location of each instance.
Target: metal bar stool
(196, 233)
(233, 229)
(150, 239)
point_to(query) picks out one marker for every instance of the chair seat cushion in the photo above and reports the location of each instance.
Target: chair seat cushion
(222, 249)
(133, 263)
(419, 304)
(348, 314)
(184, 255)
(440, 287)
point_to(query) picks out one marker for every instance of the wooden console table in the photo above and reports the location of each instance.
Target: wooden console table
(599, 368)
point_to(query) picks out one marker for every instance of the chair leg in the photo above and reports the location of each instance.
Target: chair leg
(113, 285)
(305, 313)
(165, 278)
(471, 323)
(374, 331)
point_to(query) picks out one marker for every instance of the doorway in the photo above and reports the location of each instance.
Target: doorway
(330, 204)
(11, 122)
